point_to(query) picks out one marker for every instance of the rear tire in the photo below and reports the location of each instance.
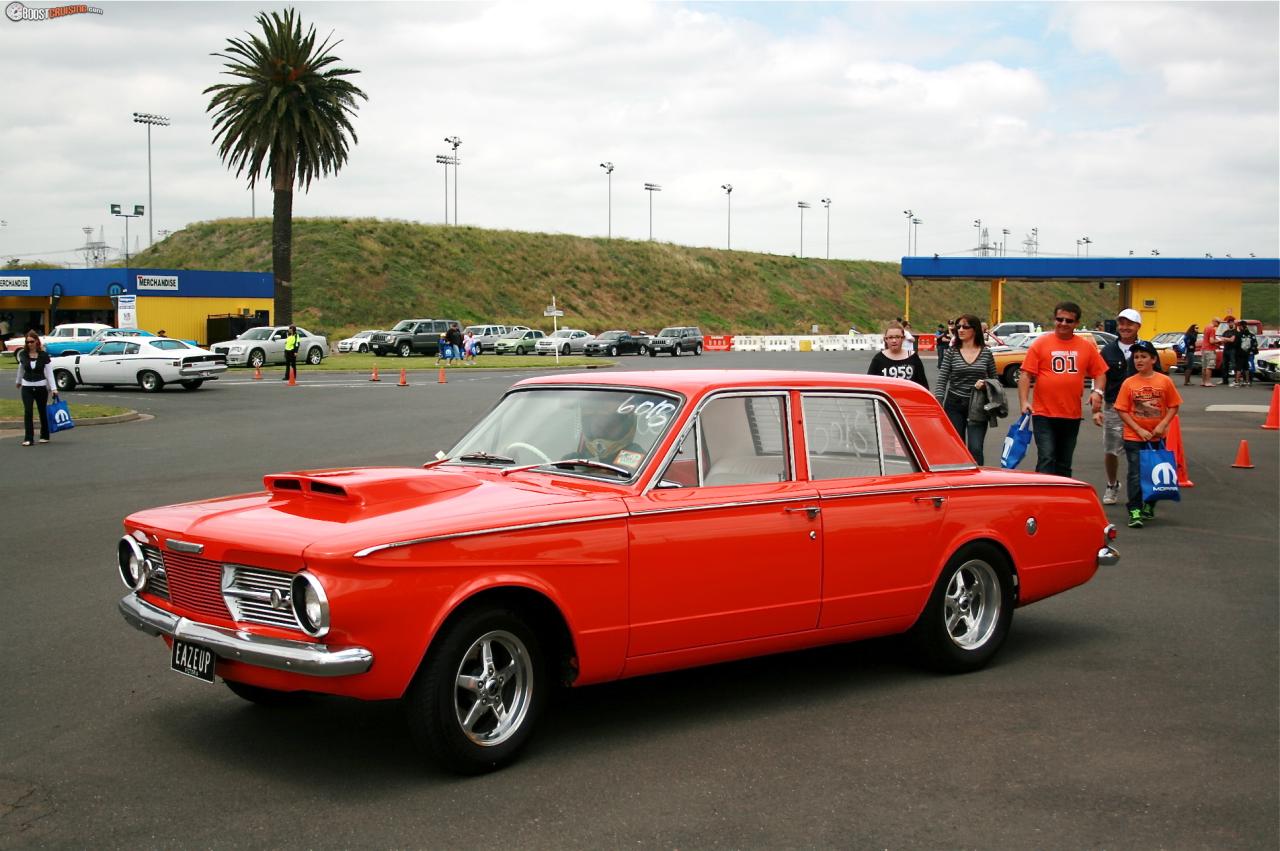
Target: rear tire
(1011, 374)
(697, 351)
(314, 355)
(477, 697)
(63, 380)
(192, 384)
(969, 612)
(150, 381)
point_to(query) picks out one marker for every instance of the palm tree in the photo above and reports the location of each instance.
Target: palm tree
(288, 113)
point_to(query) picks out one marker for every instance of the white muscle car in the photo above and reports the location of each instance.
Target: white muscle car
(149, 362)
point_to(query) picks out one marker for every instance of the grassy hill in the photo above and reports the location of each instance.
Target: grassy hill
(365, 273)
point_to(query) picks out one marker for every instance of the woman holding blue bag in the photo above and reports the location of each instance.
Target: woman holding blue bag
(962, 369)
(1147, 403)
(35, 378)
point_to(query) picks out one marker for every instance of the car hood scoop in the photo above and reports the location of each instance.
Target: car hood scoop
(366, 486)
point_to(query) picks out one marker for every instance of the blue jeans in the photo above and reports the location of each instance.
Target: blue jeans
(1055, 443)
(973, 434)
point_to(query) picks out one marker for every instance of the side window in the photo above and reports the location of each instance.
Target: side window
(84, 332)
(131, 348)
(851, 437)
(744, 440)
(112, 348)
(683, 470)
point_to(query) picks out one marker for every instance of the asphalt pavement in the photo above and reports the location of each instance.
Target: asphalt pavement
(1140, 710)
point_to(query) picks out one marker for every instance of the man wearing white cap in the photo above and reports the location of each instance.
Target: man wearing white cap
(1120, 366)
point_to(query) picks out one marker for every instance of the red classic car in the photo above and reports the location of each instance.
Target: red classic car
(593, 527)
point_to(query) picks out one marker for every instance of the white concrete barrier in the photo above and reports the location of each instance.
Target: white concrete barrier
(816, 343)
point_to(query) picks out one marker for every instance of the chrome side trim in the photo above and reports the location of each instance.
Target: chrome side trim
(951, 468)
(183, 546)
(737, 504)
(299, 657)
(490, 531)
(1065, 483)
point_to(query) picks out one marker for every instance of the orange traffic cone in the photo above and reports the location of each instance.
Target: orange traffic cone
(1273, 415)
(1174, 441)
(257, 373)
(375, 377)
(293, 377)
(442, 379)
(404, 378)
(1242, 457)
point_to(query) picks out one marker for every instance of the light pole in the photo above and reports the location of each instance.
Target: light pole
(910, 215)
(608, 172)
(1077, 248)
(138, 212)
(1035, 241)
(915, 226)
(455, 141)
(446, 161)
(977, 223)
(803, 205)
(1004, 248)
(1087, 242)
(728, 201)
(826, 202)
(651, 188)
(158, 121)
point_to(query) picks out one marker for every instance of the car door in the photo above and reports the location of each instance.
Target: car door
(727, 546)
(274, 348)
(882, 515)
(102, 366)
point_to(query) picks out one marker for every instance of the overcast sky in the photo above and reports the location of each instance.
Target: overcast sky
(1139, 125)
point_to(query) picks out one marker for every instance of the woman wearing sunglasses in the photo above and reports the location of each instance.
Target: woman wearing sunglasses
(965, 367)
(895, 361)
(35, 377)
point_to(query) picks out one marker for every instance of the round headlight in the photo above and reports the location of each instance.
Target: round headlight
(310, 605)
(133, 564)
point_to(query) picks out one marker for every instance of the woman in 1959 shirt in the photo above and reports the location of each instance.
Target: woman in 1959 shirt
(895, 361)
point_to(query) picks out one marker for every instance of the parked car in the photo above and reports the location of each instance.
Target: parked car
(554, 543)
(614, 343)
(1009, 360)
(1004, 329)
(150, 362)
(84, 345)
(519, 341)
(486, 335)
(265, 345)
(410, 337)
(58, 337)
(1267, 364)
(676, 339)
(356, 342)
(566, 341)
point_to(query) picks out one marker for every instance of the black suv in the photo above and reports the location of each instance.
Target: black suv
(676, 340)
(411, 335)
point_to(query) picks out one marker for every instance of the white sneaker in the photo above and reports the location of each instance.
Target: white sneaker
(1111, 493)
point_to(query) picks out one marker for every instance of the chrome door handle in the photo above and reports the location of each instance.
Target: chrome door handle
(936, 500)
(811, 510)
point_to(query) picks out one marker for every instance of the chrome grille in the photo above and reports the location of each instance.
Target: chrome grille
(158, 584)
(195, 584)
(249, 591)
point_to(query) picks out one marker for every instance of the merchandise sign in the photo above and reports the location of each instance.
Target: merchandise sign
(158, 282)
(14, 283)
(127, 311)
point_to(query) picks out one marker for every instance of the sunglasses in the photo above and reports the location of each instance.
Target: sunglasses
(964, 327)
(1065, 320)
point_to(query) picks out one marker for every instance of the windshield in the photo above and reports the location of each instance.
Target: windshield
(563, 332)
(669, 332)
(256, 334)
(513, 335)
(617, 428)
(610, 335)
(405, 325)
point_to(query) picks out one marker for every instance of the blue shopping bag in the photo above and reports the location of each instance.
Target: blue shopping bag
(1159, 470)
(59, 416)
(1016, 443)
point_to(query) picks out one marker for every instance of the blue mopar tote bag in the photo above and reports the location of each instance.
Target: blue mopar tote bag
(1016, 443)
(59, 416)
(1159, 470)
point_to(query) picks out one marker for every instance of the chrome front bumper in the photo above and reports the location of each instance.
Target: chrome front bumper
(1108, 556)
(299, 657)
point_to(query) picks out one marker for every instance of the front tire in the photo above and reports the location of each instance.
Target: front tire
(565, 350)
(257, 358)
(477, 697)
(63, 380)
(405, 349)
(613, 351)
(314, 355)
(969, 612)
(1012, 373)
(150, 381)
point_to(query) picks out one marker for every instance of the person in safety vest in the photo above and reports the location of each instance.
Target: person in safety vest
(291, 343)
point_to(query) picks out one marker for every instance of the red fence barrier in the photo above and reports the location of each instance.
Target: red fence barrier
(720, 343)
(926, 342)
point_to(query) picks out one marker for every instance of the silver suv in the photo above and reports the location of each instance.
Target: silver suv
(676, 340)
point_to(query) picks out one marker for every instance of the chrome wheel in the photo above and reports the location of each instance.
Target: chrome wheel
(971, 604)
(494, 688)
(257, 359)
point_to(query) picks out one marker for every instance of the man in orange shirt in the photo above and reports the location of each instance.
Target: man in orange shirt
(1060, 361)
(1148, 401)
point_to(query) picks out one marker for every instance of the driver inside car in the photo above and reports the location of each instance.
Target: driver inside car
(607, 435)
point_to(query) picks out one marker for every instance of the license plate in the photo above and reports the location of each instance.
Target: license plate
(193, 660)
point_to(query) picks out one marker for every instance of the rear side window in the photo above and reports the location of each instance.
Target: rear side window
(744, 440)
(851, 437)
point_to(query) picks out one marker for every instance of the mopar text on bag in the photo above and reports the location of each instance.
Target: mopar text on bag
(158, 282)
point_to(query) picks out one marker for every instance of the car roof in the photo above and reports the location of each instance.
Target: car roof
(692, 382)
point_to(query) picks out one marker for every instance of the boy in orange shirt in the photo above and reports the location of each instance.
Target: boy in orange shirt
(1147, 403)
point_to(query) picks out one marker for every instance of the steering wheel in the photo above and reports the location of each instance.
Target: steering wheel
(533, 449)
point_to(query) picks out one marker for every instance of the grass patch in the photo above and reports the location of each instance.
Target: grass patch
(11, 409)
